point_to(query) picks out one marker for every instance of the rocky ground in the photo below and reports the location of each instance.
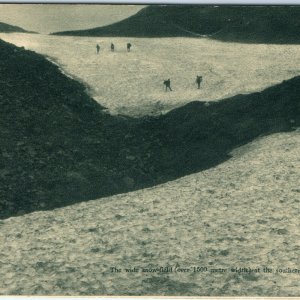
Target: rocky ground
(243, 213)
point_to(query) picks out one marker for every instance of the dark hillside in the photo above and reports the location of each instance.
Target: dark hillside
(10, 28)
(253, 24)
(58, 147)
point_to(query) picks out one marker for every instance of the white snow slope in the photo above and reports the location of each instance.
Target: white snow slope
(132, 83)
(242, 213)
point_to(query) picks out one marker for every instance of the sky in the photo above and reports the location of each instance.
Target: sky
(46, 18)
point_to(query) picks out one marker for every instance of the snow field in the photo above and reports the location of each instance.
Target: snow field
(242, 213)
(132, 83)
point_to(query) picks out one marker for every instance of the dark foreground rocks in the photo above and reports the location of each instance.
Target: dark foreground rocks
(58, 146)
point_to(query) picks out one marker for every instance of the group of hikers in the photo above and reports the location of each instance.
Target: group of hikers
(112, 47)
(167, 83)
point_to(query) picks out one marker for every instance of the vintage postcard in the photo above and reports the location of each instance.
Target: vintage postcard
(149, 150)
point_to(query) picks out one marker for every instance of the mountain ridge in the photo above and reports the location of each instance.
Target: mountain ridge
(251, 24)
(4, 27)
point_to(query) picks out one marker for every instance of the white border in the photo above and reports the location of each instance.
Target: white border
(144, 2)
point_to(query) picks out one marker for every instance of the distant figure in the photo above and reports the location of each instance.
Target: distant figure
(198, 81)
(112, 47)
(98, 48)
(167, 83)
(128, 47)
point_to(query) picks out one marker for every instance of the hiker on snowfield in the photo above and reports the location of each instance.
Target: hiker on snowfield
(112, 47)
(98, 48)
(128, 47)
(198, 81)
(167, 83)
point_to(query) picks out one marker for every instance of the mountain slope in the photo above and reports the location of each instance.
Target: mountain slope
(243, 213)
(58, 147)
(10, 28)
(254, 24)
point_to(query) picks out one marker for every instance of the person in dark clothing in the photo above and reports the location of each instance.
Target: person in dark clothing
(98, 48)
(112, 47)
(128, 47)
(167, 83)
(198, 81)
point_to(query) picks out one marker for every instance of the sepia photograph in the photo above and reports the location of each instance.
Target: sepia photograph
(149, 150)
